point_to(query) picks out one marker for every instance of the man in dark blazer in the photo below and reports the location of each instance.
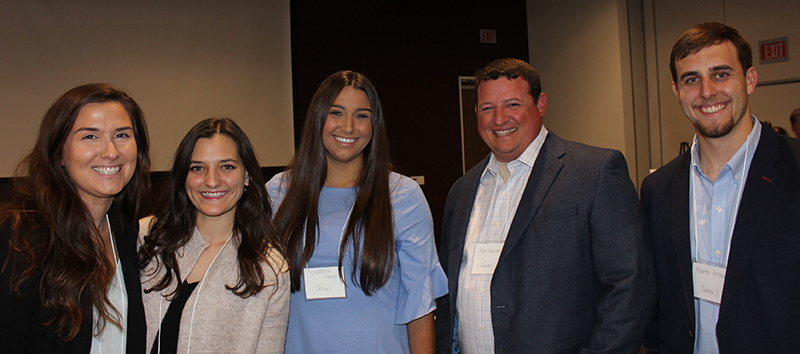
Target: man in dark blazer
(571, 270)
(696, 221)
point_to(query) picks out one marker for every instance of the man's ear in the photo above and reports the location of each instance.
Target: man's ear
(541, 104)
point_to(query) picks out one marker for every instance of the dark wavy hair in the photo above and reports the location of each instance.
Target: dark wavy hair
(370, 229)
(512, 69)
(175, 221)
(52, 232)
(705, 35)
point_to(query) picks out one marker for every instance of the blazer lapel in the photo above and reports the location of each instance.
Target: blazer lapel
(545, 170)
(678, 191)
(463, 208)
(761, 180)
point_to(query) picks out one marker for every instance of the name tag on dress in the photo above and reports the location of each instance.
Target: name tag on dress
(708, 282)
(323, 283)
(486, 257)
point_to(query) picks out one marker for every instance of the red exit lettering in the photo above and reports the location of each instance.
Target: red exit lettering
(775, 50)
(488, 36)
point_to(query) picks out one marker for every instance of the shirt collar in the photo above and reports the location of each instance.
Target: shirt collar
(736, 162)
(528, 157)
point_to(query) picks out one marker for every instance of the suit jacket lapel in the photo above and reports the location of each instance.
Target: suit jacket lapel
(463, 207)
(678, 191)
(545, 170)
(761, 180)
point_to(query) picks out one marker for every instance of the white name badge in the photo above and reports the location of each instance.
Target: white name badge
(323, 283)
(708, 282)
(486, 257)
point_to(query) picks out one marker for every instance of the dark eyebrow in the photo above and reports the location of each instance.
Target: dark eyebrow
(86, 129)
(722, 68)
(688, 73)
(357, 109)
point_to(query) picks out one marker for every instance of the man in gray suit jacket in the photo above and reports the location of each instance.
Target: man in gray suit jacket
(543, 242)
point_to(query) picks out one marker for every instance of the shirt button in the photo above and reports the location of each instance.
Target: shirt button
(481, 327)
(717, 252)
(497, 224)
(719, 209)
(483, 291)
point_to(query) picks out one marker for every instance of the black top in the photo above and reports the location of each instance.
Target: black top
(171, 324)
(23, 321)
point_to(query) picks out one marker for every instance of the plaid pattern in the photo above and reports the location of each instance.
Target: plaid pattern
(495, 205)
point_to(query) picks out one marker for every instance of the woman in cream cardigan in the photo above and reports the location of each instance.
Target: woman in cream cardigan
(213, 277)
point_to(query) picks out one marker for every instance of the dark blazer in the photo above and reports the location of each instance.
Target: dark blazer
(575, 272)
(760, 307)
(23, 321)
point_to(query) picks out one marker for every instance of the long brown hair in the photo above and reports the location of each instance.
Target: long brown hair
(175, 220)
(370, 229)
(51, 230)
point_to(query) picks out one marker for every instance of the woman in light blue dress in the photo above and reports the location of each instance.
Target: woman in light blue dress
(359, 237)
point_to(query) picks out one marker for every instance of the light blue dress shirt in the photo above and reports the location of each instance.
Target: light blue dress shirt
(713, 209)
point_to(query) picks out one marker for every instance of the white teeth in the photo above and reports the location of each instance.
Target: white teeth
(505, 132)
(712, 109)
(212, 194)
(107, 170)
(345, 140)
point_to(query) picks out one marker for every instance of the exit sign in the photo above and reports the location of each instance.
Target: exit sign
(488, 36)
(774, 50)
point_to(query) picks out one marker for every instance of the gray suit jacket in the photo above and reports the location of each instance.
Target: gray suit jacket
(575, 274)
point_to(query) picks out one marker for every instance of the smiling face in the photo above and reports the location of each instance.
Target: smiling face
(508, 118)
(348, 127)
(714, 89)
(100, 152)
(216, 177)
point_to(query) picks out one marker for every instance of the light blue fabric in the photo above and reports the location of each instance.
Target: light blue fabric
(361, 323)
(717, 203)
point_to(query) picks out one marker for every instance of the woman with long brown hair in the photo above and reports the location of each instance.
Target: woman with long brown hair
(359, 237)
(213, 272)
(70, 281)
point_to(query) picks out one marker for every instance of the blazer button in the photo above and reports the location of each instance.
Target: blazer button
(691, 334)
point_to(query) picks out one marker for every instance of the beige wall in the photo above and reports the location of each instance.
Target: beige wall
(581, 50)
(182, 61)
(605, 69)
(756, 21)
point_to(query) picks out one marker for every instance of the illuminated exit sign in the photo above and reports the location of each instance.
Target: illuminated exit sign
(774, 50)
(488, 36)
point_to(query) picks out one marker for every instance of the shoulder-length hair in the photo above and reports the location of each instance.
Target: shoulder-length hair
(370, 228)
(52, 232)
(176, 219)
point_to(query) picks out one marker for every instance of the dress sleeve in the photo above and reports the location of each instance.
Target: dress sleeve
(422, 279)
(276, 190)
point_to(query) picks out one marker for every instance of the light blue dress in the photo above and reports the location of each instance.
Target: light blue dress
(361, 323)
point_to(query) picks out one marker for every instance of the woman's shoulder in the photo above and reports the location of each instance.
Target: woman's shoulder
(403, 187)
(145, 224)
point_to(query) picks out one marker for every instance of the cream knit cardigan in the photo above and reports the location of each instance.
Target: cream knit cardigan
(215, 320)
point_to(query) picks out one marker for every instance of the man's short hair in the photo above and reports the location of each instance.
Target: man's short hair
(512, 69)
(795, 116)
(705, 35)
